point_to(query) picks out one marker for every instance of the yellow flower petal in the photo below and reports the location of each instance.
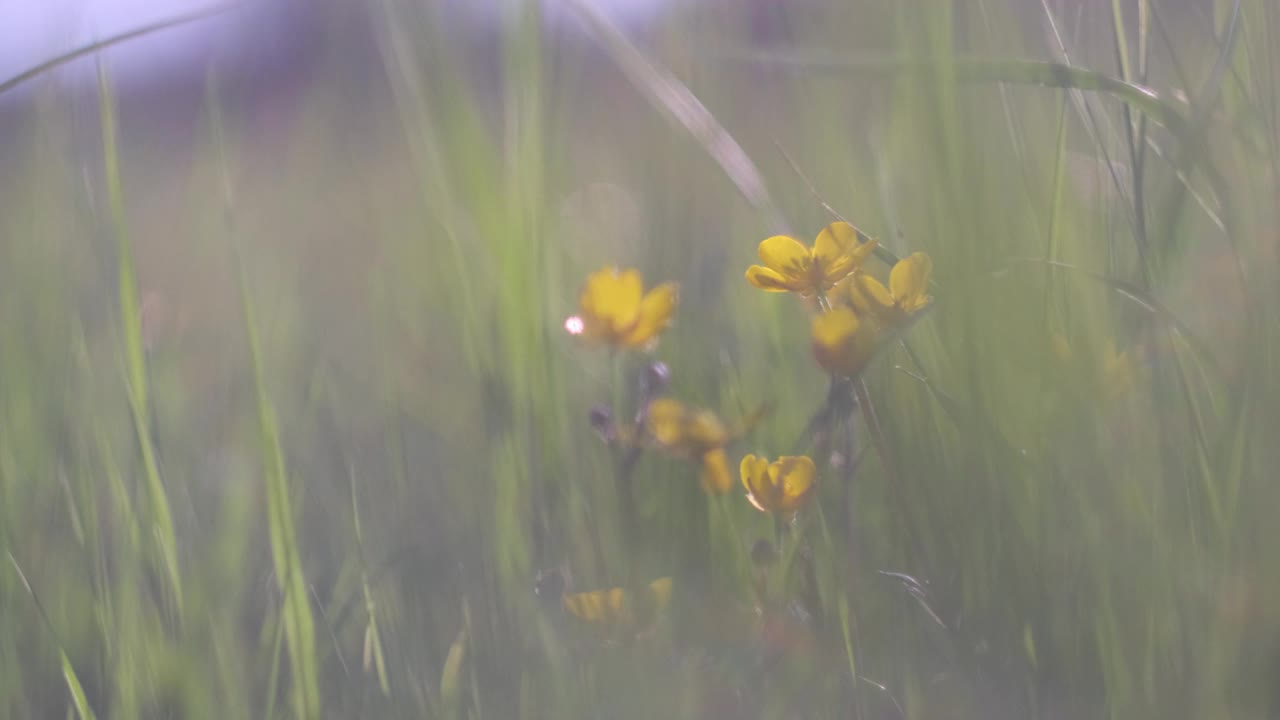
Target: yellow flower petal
(838, 253)
(768, 280)
(704, 430)
(786, 256)
(610, 303)
(619, 606)
(665, 421)
(832, 329)
(863, 251)
(781, 486)
(909, 282)
(794, 481)
(747, 470)
(661, 591)
(589, 606)
(842, 344)
(869, 297)
(833, 249)
(755, 478)
(715, 475)
(653, 315)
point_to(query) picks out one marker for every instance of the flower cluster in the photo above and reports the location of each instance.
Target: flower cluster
(858, 311)
(619, 612)
(857, 315)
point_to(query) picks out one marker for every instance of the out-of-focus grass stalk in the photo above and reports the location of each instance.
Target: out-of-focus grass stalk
(78, 699)
(295, 611)
(672, 98)
(373, 654)
(159, 515)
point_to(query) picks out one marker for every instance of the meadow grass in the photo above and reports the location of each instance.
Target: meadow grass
(290, 424)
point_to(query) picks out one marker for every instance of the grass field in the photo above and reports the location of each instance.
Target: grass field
(291, 425)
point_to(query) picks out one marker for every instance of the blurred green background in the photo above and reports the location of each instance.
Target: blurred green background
(289, 424)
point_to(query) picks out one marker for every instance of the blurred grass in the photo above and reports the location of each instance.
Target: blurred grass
(1077, 441)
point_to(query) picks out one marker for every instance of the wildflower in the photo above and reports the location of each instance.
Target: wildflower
(782, 486)
(1118, 373)
(616, 311)
(695, 433)
(1115, 369)
(893, 306)
(619, 612)
(789, 266)
(843, 343)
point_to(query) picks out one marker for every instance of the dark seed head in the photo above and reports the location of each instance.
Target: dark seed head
(602, 422)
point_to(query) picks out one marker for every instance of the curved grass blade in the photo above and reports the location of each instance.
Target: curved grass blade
(979, 70)
(1141, 298)
(78, 698)
(83, 51)
(673, 98)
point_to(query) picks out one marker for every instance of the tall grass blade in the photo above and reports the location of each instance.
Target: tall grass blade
(159, 515)
(295, 611)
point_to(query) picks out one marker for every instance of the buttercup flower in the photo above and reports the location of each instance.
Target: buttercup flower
(694, 433)
(907, 294)
(615, 310)
(1115, 369)
(789, 266)
(619, 612)
(843, 343)
(782, 486)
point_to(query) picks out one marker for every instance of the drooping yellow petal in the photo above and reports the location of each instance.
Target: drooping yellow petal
(769, 280)
(653, 315)
(786, 256)
(909, 282)
(842, 344)
(715, 475)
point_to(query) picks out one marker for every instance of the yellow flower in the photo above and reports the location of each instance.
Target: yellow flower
(843, 344)
(782, 486)
(694, 433)
(616, 311)
(789, 266)
(1118, 374)
(619, 612)
(1115, 369)
(907, 294)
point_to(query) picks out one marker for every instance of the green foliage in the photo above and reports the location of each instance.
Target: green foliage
(290, 426)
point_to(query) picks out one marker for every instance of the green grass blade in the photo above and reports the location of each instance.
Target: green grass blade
(295, 613)
(83, 710)
(160, 516)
